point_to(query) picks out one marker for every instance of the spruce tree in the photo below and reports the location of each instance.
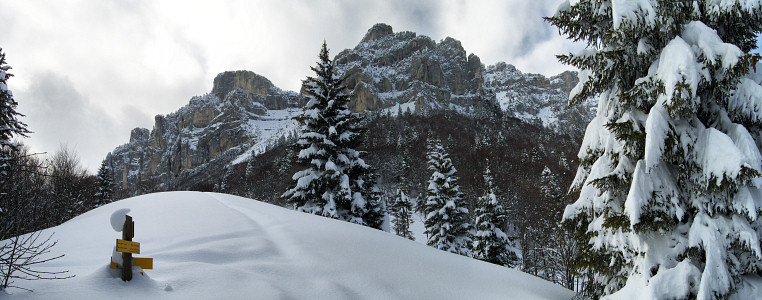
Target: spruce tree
(669, 179)
(402, 211)
(549, 186)
(552, 195)
(10, 126)
(225, 183)
(491, 244)
(11, 213)
(105, 193)
(335, 182)
(251, 165)
(447, 224)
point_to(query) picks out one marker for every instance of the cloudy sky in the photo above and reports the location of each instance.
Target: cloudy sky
(88, 71)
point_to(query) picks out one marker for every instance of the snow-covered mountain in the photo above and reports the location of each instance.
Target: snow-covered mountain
(413, 71)
(216, 246)
(244, 114)
(537, 99)
(389, 72)
(389, 68)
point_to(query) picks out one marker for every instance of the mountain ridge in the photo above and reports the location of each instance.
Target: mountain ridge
(245, 113)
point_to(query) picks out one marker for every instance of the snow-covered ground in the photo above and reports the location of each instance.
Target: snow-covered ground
(216, 246)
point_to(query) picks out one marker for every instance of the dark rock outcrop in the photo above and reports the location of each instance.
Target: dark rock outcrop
(377, 31)
(256, 87)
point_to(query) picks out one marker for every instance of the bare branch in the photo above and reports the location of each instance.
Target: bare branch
(21, 253)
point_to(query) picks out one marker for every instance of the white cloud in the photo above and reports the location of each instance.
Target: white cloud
(52, 101)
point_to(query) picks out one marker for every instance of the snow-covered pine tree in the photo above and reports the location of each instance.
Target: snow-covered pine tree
(549, 185)
(447, 225)
(225, 183)
(402, 211)
(336, 181)
(10, 126)
(551, 192)
(491, 244)
(374, 215)
(251, 165)
(10, 215)
(669, 177)
(105, 193)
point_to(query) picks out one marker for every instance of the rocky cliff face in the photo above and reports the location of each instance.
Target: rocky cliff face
(538, 100)
(389, 68)
(256, 87)
(246, 114)
(221, 125)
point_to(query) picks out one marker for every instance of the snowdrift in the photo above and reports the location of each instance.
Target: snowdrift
(216, 246)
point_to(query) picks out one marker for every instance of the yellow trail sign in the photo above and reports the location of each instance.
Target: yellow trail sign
(143, 262)
(127, 246)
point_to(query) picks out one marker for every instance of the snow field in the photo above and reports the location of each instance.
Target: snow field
(215, 246)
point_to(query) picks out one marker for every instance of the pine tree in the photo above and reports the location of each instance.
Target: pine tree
(336, 181)
(549, 185)
(552, 195)
(225, 184)
(402, 211)
(251, 165)
(12, 216)
(669, 179)
(491, 244)
(447, 224)
(105, 193)
(10, 126)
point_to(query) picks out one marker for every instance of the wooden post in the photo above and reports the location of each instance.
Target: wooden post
(127, 234)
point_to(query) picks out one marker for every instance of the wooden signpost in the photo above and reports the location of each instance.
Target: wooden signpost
(128, 232)
(127, 247)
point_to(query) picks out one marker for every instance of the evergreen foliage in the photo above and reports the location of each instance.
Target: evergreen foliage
(447, 224)
(402, 211)
(225, 185)
(12, 210)
(491, 244)
(21, 206)
(335, 182)
(105, 192)
(669, 180)
(250, 165)
(10, 126)
(549, 185)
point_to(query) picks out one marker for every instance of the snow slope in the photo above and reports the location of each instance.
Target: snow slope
(216, 246)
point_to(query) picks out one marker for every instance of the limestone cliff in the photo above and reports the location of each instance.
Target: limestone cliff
(389, 68)
(232, 119)
(245, 114)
